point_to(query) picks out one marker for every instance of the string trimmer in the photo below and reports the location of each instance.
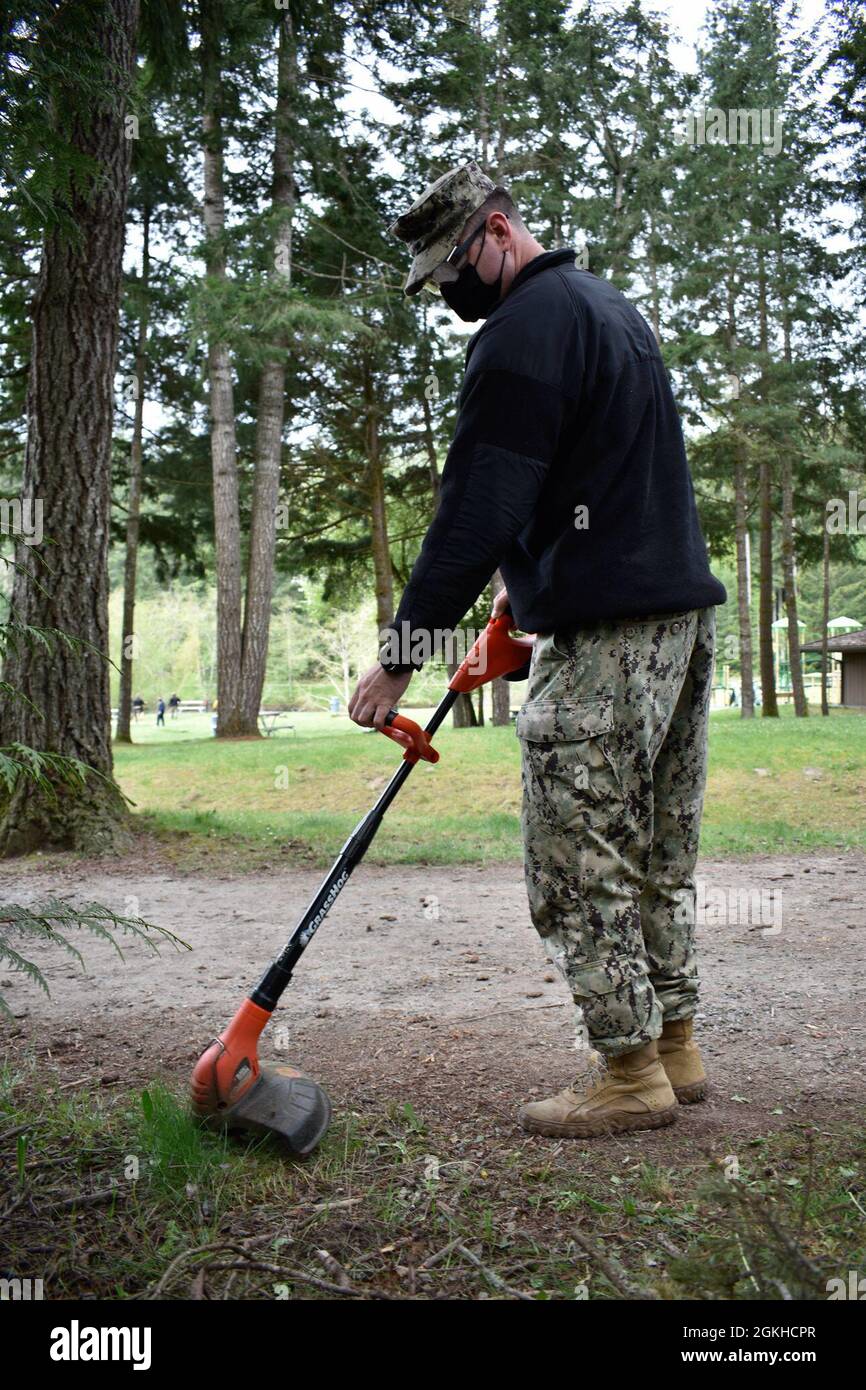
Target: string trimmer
(231, 1089)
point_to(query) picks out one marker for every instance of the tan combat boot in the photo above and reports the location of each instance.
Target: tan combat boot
(633, 1093)
(681, 1060)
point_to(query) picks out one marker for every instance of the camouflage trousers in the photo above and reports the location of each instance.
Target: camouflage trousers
(614, 744)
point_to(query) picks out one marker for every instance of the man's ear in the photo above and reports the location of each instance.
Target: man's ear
(501, 225)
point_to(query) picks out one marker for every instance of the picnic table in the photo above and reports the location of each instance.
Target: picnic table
(268, 721)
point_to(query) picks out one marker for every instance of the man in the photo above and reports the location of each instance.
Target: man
(568, 472)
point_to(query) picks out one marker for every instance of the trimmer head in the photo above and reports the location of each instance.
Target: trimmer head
(232, 1091)
(285, 1103)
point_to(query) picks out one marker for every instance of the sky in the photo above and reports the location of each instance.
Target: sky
(687, 17)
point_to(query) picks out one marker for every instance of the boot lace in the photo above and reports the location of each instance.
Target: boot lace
(593, 1071)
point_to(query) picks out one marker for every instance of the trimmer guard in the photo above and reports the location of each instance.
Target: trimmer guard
(282, 1102)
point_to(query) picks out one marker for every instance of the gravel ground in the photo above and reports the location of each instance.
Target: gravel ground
(430, 985)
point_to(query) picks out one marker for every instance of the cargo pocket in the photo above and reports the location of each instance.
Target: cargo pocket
(567, 754)
(612, 994)
(593, 979)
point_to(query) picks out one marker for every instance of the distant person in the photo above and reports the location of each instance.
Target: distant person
(137, 707)
(160, 712)
(174, 705)
(733, 699)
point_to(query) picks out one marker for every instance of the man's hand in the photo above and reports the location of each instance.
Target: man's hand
(376, 693)
(501, 604)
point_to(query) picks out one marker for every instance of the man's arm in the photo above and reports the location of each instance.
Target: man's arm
(507, 433)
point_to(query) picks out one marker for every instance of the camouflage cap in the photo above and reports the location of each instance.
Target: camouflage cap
(434, 221)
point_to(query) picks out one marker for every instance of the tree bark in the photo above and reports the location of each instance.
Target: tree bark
(500, 694)
(769, 705)
(463, 714)
(741, 532)
(68, 467)
(123, 732)
(789, 568)
(655, 308)
(430, 447)
(801, 706)
(482, 124)
(271, 407)
(227, 531)
(383, 572)
(825, 618)
(744, 610)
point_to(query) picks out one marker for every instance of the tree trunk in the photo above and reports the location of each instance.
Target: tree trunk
(430, 447)
(501, 698)
(500, 688)
(67, 466)
(227, 531)
(271, 408)
(789, 568)
(741, 531)
(655, 309)
(769, 706)
(801, 707)
(825, 618)
(744, 610)
(381, 549)
(482, 124)
(463, 711)
(383, 572)
(127, 642)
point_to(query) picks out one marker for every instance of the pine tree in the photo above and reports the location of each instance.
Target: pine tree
(79, 62)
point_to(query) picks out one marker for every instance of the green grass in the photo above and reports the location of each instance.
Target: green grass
(119, 1195)
(809, 794)
(311, 786)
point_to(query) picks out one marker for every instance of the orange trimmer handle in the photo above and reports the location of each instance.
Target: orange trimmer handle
(496, 653)
(421, 745)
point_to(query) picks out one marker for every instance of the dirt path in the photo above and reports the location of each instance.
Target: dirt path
(430, 985)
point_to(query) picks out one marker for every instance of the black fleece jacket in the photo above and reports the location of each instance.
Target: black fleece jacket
(567, 470)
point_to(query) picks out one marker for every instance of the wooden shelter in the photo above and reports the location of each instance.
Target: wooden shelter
(852, 649)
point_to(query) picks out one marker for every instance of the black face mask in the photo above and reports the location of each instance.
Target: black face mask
(469, 296)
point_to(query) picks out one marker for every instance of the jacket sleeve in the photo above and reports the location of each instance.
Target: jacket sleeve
(508, 427)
